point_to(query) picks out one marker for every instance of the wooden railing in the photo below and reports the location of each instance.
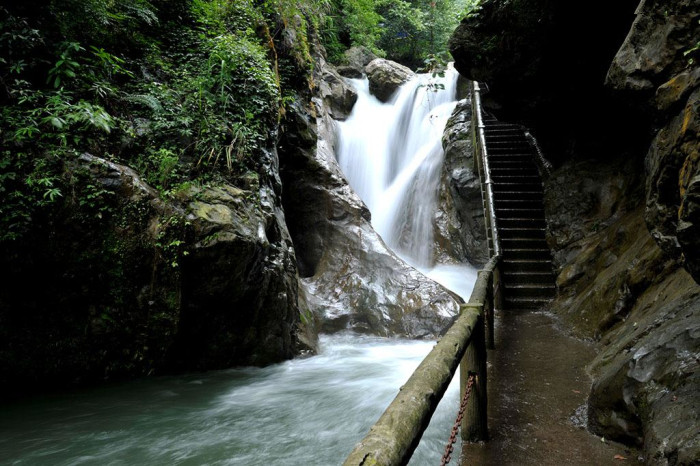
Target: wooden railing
(393, 438)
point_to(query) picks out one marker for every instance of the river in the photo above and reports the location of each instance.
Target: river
(302, 412)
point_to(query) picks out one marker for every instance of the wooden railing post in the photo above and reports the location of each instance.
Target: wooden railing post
(489, 311)
(474, 422)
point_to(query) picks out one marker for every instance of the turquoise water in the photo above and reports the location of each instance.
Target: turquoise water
(302, 412)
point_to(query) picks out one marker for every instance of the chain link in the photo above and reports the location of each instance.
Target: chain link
(449, 448)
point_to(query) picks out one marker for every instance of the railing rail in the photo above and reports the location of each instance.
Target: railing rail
(481, 162)
(544, 165)
(394, 437)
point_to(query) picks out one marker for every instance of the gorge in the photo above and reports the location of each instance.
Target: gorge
(181, 191)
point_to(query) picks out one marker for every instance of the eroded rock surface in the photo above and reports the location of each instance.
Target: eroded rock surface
(385, 77)
(460, 231)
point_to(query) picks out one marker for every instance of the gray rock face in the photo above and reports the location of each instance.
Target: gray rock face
(652, 52)
(652, 63)
(647, 377)
(241, 298)
(616, 285)
(356, 58)
(385, 77)
(337, 96)
(673, 164)
(460, 229)
(352, 281)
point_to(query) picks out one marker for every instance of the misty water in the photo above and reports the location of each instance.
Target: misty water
(302, 412)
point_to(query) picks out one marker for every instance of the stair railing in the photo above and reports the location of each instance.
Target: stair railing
(483, 168)
(544, 165)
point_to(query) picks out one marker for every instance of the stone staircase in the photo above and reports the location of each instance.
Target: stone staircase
(527, 279)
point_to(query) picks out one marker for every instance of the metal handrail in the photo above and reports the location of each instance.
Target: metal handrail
(543, 164)
(482, 154)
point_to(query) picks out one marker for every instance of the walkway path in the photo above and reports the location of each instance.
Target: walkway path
(537, 381)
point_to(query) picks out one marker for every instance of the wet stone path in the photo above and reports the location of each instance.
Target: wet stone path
(537, 393)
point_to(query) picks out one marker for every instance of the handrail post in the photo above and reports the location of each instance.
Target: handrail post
(489, 311)
(474, 421)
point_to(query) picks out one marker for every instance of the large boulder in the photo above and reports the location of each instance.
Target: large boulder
(385, 77)
(655, 65)
(460, 230)
(647, 378)
(117, 281)
(354, 61)
(655, 48)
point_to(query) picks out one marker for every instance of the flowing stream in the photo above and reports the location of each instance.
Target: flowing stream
(302, 412)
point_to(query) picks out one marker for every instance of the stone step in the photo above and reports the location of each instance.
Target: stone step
(529, 170)
(526, 265)
(520, 223)
(501, 164)
(507, 212)
(517, 195)
(513, 139)
(519, 203)
(510, 178)
(530, 186)
(507, 233)
(522, 278)
(525, 303)
(529, 290)
(523, 253)
(523, 243)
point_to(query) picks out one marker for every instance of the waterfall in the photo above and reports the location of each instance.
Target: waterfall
(392, 156)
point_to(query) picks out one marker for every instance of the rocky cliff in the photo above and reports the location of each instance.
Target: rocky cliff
(618, 116)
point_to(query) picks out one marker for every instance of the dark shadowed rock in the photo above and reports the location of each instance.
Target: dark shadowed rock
(133, 283)
(385, 77)
(460, 231)
(350, 71)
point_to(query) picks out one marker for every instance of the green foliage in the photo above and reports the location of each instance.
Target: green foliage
(406, 31)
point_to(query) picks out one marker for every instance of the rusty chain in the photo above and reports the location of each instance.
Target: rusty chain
(449, 448)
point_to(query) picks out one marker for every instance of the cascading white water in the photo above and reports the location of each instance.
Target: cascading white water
(392, 155)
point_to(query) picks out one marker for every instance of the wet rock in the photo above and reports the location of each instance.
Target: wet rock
(460, 230)
(385, 77)
(352, 281)
(672, 166)
(584, 197)
(337, 96)
(647, 375)
(241, 293)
